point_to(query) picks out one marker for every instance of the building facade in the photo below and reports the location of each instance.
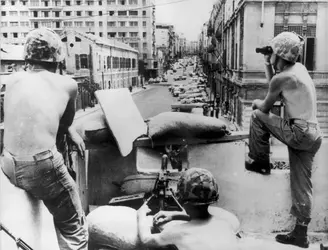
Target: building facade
(238, 27)
(129, 21)
(109, 63)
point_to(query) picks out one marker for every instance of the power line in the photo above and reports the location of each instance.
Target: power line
(143, 7)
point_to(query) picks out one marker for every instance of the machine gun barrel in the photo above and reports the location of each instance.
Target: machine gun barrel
(19, 242)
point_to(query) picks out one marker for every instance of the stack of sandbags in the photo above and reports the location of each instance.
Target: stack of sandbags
(115, 227)
(185, 125)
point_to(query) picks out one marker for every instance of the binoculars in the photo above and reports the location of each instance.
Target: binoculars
(267, 50)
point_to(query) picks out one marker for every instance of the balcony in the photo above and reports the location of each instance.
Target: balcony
(44, 7)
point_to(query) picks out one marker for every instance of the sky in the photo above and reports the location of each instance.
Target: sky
(187, 16)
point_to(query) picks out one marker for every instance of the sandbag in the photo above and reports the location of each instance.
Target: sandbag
(114, 226)
(185, 125)
(92, 127)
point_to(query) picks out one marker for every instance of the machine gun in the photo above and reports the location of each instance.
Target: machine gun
(162, 196)
(19, 242)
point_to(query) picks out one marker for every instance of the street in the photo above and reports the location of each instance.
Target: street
(157, 99)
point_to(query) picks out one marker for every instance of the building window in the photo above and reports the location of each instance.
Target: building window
(144, 2)
(77, 62)
(84, 61)
(134, 64)
(100, 34)
(90, 3)
(46, 3)
(57, 25)
(133, 34)
(144, 45)
(35, 13)
(134, 45)
(144, 23)
(109, 2)
(12, 2)
(122, 13)
(133, 13)
(122, 2)
(111, 34)
(67, 13)
(24, 13)
(3, 2)
(89, 13)
(68, 3)
(100, 13)
(78, 13)
(57, 13)
(4, 24)
(90, 24)
(24, 24)
(100, 24)
(23, 2)
(133, 2)
(78, 2)
(5, 35)
(109, 64)
(13, 24)
(133, 24)
(121, 24)
(144, 55)
(78, 24)
(46, 24)
(121, 34)
(111, 24)
(144, 34)
(45, 14)
(15, 35)
(36, 25)
(68, 24)
(99, 2)
(13, 13)
(3, 13)
(111, 13)
(144, 12)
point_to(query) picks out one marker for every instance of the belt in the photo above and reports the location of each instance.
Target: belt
(37, 157)
(303, 122)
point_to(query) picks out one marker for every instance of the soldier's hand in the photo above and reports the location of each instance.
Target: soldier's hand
(162, 217)
(78, 141)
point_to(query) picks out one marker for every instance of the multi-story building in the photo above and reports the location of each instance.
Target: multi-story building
(110, 63)
(130, 21)
(182, 44)
(240, 26)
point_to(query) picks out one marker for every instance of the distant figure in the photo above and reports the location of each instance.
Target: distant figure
(299, 131)
(39, 103)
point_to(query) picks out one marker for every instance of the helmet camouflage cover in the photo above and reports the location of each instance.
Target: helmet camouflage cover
(287, 45)
(44, 45)
(197, 186)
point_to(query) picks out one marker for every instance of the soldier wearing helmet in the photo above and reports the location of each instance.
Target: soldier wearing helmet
(289, 82)
(38, 104)
(200, 226)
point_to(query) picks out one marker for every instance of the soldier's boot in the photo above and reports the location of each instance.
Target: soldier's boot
(297, 237)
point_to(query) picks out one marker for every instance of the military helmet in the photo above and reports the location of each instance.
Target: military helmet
(197, 186)
(43, 45)
(287, 45)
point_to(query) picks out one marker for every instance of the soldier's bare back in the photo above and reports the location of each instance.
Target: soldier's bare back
(34, 104)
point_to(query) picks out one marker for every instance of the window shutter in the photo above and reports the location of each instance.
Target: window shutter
(309, 53)
(77, 62)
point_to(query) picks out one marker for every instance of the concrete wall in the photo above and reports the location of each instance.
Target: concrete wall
(254, 35)
(322, 38)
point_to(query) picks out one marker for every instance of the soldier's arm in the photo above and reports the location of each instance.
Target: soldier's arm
(275, 89)
(68, 116)
(153, 240)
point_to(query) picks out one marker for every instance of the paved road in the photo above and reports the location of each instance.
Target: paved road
(156, 99)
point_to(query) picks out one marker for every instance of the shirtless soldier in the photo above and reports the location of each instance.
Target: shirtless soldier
(201, 228)
(37, 103)
(299, 130)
